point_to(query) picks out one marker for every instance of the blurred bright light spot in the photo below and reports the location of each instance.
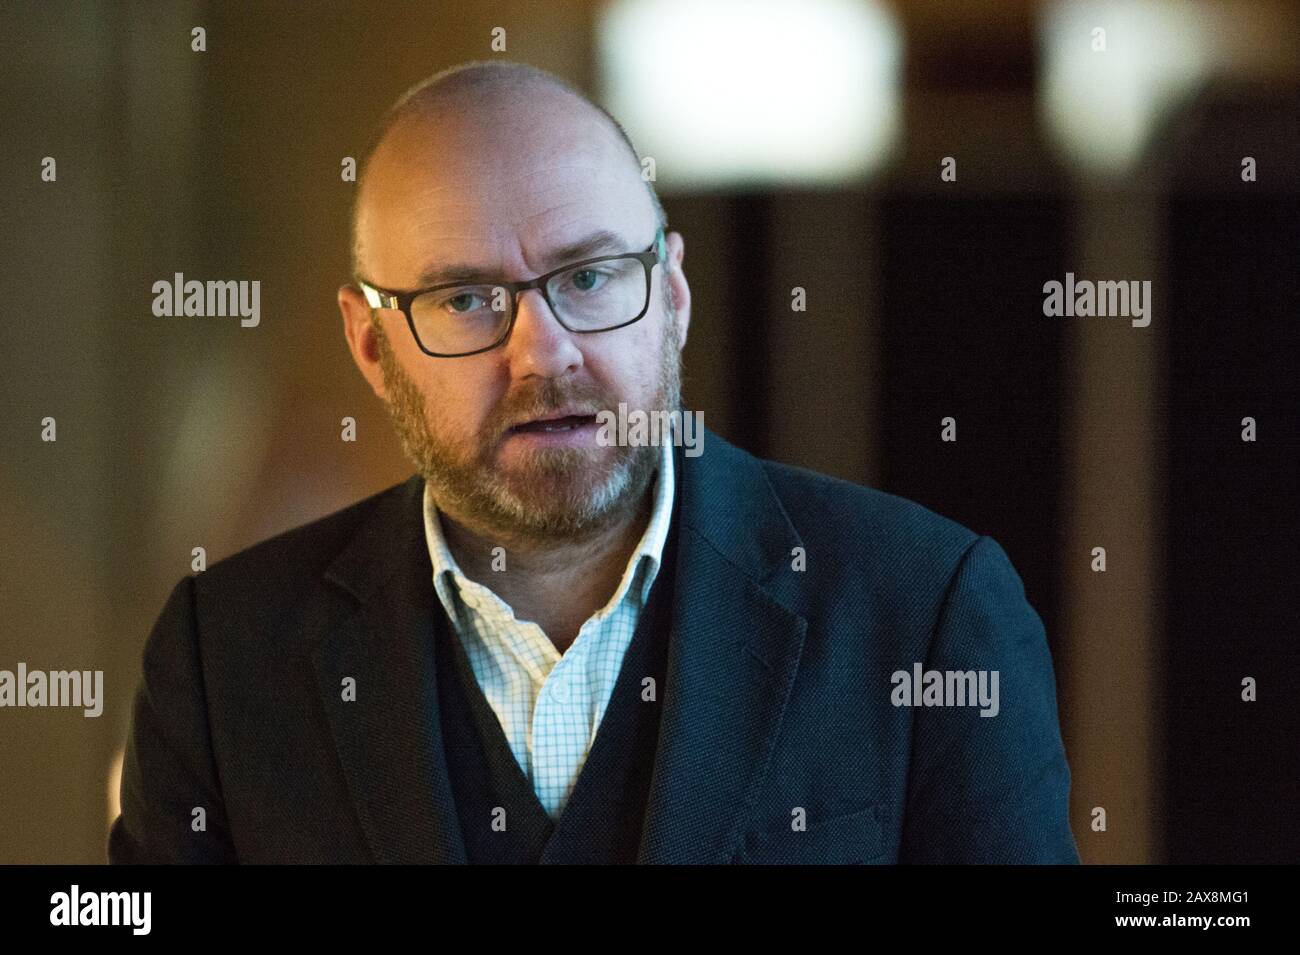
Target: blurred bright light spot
(1102, 107)
(115, 786)
(725, 92)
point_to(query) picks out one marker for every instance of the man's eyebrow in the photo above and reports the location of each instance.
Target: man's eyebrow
(600, 242)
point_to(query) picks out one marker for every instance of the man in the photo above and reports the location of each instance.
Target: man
(549, 647)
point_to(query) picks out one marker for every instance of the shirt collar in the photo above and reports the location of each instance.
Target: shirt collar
(648, 553)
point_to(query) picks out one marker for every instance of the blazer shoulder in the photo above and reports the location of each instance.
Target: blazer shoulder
(856, 532)
(821, 504)
(299, 553)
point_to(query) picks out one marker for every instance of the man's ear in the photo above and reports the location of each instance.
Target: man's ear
(359, 326)
(679, 291)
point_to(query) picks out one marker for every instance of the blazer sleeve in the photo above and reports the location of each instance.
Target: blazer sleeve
(168, 771)
(989, 789)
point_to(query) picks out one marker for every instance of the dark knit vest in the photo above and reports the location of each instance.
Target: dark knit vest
(601, 823)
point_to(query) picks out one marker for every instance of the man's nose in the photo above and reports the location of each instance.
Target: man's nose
(539, 345)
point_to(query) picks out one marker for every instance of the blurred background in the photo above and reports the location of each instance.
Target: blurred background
(796, 145)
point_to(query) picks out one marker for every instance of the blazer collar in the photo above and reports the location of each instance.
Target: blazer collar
(735, 644)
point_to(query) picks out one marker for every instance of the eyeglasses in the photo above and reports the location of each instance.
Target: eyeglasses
(594, 295)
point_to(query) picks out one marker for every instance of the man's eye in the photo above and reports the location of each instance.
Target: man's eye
(587, 280)
(463, 302)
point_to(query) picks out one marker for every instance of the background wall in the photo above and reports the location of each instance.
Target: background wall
(925, 301)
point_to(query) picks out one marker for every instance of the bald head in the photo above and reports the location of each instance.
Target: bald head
(463, 114)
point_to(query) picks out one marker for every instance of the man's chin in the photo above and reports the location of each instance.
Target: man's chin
(564, 490)
(561, 478)
(518, 458)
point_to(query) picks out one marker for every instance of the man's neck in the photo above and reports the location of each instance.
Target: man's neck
(557, 584)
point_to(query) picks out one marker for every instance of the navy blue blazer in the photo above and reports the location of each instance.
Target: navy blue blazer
(786, 735)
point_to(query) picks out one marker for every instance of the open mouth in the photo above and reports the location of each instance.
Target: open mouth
(551, 425)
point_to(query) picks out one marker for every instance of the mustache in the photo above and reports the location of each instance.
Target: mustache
(547, 398)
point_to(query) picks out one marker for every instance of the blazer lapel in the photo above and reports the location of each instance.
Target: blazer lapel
(389, 740)
(733, 652)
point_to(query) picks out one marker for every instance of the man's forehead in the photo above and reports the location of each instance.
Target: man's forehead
(518, 216)
(474, 262)
(432, 243)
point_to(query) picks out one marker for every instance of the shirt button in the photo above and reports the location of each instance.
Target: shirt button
(559, 693)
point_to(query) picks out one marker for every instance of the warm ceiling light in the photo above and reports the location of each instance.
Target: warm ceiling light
(724, 92)
(1101, 106)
